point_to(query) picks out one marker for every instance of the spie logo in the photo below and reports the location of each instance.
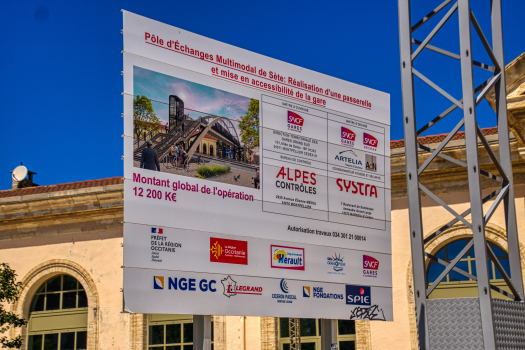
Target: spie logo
(157, 230)
(370, 266)
(357, 295)
(347, 137)
(295, 122)
(369, 142)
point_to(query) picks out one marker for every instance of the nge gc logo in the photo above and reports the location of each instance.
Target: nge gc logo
(190, 284)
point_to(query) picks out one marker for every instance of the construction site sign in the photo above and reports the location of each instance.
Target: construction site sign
(250, 179)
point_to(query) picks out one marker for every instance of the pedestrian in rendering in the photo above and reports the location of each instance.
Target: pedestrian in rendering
(183, 155)
(256, 180)
(172, 153)
(183, 128)
(148, 159)
(176, 153)
(166, 128)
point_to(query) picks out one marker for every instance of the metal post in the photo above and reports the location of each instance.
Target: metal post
(328, 333)
(295, 333)
(471, 143)
(411, 157)
(504, 150)
(201, 332)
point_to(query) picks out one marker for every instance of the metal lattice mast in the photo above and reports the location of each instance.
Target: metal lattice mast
(471, 97)
(295, 334)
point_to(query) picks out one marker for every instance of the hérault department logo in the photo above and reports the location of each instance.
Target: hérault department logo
(158, 282)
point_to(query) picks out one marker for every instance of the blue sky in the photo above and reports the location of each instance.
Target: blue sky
(61, 62)
(199, 100)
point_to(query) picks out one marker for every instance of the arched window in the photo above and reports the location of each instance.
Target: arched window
(211, 150)
(203, 148)
(58, 315)
(456, 285)
(311, 334)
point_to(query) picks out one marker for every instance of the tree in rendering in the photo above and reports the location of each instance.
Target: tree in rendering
(144, 119)
(249, 125)
(9, 290)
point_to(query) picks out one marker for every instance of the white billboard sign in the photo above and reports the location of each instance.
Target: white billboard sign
(250, 178)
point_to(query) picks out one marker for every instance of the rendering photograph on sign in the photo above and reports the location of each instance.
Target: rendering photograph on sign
(250, 178)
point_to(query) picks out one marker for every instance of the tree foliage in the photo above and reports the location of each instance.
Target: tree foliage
(9, 290)
(249, 125)
(144, 118)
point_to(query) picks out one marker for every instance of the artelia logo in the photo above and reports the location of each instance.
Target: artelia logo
(336, 262)
(318, 293)
(295, 122)
(231, 288)
(349, 158)
(287, 257)
(228, 251)
(347, 137)
(157, 230)
(371, 162)
(369, 142)
(357, 295)
(370, 266)
(158, 282)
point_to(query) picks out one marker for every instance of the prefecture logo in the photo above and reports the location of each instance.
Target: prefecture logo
(318, 293)
(370, 162)
(285, 296)
(295, 122)
(158, 282)
(357, 295)
(228, 251)
(370, 266)
(287, 257)
(336, 261)
(347, 137)
(369, 142)
(231, 288)
(157, 230)
(183, 284)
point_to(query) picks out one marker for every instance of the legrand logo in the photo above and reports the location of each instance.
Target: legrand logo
(369, 142)
(347, 136)
(287, 258)
(370, 266)
(349, 158)
(295, 122)
(336, 262)
(183, 284)
(228, 251)
(231, 288)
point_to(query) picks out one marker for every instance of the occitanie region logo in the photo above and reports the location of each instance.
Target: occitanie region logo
(216, 250)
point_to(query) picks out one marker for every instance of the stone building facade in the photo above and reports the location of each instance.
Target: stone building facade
(54, 235)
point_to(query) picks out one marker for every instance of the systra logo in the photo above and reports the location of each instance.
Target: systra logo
(295, 121)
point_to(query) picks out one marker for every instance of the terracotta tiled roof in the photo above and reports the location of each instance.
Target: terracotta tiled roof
(427, 140)
(62, 187)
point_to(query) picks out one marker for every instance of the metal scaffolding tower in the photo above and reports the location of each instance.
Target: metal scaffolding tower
(442, 323)
(295, 333)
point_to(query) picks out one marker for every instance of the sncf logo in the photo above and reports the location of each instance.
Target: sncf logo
(295, 121)
(347, 136)
(370, 266)
(369, 141)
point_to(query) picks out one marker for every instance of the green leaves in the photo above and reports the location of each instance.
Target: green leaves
(144, 117)
(249, 125)
(9, 290)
